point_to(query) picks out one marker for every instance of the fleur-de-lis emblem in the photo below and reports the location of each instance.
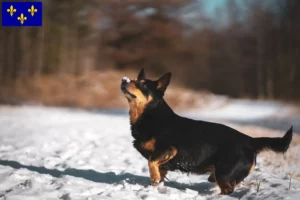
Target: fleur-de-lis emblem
(11, 10)
(22, 18)
(32, 10)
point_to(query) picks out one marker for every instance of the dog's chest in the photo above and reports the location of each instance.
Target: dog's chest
(148, 145)
(145, 147)
(146, 137)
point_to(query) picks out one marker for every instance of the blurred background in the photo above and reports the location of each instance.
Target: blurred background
(238, 48)
(232, 61)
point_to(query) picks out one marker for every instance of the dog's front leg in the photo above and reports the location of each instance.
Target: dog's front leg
(159, 158)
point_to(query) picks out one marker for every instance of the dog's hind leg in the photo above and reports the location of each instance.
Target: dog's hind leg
(159, 158)
(227, 181)
(232, 169)
(212, 177)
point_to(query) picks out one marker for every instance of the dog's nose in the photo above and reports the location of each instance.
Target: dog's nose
(125, 80)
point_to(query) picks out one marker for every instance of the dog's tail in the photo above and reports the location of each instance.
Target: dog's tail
(279, 145)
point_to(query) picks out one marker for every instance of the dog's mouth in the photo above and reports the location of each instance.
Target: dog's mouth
(124, 88)
(124, 83)
(126, 92)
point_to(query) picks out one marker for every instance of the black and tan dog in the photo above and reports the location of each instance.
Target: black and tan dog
(170, 142)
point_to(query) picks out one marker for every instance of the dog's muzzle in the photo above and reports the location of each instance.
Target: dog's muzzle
(125, 80)
(124, 83)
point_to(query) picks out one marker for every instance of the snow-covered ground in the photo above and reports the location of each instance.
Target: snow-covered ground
(270, 114)
(52, 153)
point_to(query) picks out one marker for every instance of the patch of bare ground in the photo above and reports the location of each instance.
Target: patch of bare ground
(90, 90)
(288, 163)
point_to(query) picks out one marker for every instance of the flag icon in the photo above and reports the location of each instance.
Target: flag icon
(22, 13)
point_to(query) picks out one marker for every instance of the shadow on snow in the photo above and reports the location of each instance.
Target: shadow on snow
(108, 177)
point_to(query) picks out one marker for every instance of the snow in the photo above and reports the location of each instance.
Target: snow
(55, 153)
(243, 110)
(125, 79)
(270, 114)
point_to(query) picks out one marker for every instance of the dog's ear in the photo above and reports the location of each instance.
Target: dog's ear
(141, 75)
(164, 81)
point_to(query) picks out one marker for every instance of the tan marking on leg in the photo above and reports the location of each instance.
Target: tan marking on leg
(227, 187)
(163, 174)
(155, 175)
(252, 168)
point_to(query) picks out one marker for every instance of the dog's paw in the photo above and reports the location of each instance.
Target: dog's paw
(158, 185)
(211, 179)
(155, 182)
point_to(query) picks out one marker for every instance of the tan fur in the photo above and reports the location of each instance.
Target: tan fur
(138, 104)
(154, 170)
(252, 168)
(227, 187)
(136, 110)
(149, 145)
(159, 84)
(163, 174)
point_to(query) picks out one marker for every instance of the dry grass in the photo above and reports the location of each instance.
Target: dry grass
(92, 90)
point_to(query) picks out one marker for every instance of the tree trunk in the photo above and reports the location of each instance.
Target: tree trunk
(260, 73)
(40, 51)
(75, 55)
(10, 54)
(25, 53)
(63, 50)
(2, 58)
(270, 83)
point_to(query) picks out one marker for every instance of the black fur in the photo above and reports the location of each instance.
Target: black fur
(200, 145)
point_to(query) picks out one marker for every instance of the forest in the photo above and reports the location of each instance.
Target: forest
(243, 49)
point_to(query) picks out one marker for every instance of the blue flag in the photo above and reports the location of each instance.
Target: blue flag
(22, 13)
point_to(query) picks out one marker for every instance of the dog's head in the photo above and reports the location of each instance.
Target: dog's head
(143, 93)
